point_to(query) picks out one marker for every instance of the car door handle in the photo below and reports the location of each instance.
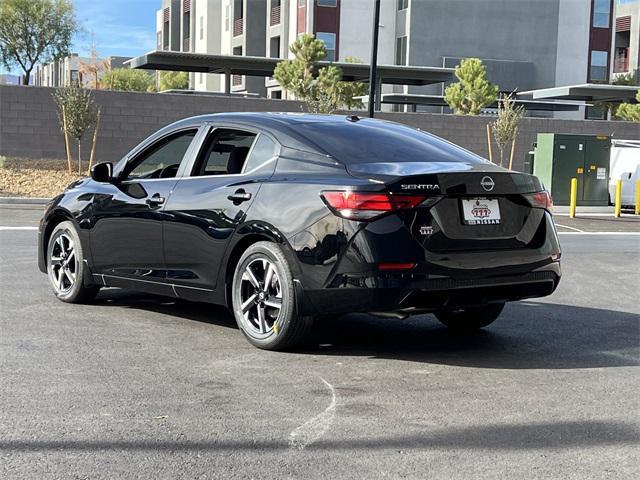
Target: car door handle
(239, 196)
(155, 200)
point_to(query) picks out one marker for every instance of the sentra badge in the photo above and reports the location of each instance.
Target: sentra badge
(420, 186)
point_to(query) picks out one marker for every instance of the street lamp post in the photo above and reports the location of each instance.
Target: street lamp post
(374, 59)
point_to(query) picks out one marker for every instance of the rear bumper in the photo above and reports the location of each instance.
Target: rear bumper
(429, 293)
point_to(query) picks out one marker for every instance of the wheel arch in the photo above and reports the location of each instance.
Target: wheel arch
(54, 218)
(246, 236)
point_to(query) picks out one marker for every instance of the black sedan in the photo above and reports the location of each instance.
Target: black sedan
(285, 218)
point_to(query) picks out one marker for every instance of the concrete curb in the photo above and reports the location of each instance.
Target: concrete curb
(23, 201)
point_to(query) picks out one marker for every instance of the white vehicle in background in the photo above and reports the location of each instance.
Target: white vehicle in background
(624, 165)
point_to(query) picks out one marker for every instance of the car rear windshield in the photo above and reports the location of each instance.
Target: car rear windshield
(367, 141)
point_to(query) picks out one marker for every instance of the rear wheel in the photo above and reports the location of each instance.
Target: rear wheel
(468, 319)
(263, 299)
(65, 265)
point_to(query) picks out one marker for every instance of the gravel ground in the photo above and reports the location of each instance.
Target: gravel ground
(23, 177)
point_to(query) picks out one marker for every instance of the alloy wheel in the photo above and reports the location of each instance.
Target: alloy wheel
(63, 263)
(261, 298)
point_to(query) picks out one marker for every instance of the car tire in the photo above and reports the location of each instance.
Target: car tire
(263, 299)
(469, 319)
(66, 266)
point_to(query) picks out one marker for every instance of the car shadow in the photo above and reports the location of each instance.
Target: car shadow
(556, 436)
(528, 335)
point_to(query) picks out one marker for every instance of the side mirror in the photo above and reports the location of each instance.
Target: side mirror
(102, 172)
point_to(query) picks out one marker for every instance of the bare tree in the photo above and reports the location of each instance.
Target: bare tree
(505, 128)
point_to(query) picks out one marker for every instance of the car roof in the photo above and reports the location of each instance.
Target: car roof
(281, 125)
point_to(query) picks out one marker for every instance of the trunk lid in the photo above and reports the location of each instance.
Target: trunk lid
(480, 207)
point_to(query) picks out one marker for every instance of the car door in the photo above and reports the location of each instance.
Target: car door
(126, 237)
(207, 206)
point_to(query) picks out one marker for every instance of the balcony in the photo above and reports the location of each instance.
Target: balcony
(621, 61)
(238, 27)
(186, 44)
(275, 16)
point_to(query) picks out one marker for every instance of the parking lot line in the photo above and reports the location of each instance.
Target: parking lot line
(570, 228)
(599, 233)
(18, 228)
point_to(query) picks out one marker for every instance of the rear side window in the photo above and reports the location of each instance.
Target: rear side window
(224, 152)
(368, 141)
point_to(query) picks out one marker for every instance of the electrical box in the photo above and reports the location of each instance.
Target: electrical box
(561, 157)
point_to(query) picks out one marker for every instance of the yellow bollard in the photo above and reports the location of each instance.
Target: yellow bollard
(574, 197)
(637, 210)
(618, 208)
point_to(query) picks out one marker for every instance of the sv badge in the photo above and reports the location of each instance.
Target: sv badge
(426, 230)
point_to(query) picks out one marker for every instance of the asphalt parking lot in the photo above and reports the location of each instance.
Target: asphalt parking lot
(146, 387)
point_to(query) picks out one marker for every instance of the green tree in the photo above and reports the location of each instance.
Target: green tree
(629, 79)
(77, 112)
(33, 31)
(630, 111)
(321, 89)
(505, 127)
(473, 91)
(128, 80)
(174, 80)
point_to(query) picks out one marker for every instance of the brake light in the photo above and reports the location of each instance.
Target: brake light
(395, 266)
(540, 200)
(366, 205)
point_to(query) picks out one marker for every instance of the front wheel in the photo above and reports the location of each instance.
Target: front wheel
(468, 319)
(65, 265)
(263, 299)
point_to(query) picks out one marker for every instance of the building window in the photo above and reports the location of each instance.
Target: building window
(276, 94)
(302, 3)
(599, 60)
(201, 27)
(274, 47)
(159, 41)
(226, 18)
(326, 3)
(403, 4)
(401, 50)
(329, 40)
(601, 13)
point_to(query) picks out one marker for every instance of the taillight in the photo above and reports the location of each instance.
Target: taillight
(365, 205)
(540, 200)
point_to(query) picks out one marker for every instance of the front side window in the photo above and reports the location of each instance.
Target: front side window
(329, 40)
(224, 152)
(598, 65)
(601, 13)
(162, 159)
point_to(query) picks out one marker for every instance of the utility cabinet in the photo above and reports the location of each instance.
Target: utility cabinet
(561, 157)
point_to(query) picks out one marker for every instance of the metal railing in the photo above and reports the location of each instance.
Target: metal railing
(238, 27)
(275, 16)
(621, 65)
(236, 80)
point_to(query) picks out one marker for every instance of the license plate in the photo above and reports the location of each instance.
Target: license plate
(480, 211)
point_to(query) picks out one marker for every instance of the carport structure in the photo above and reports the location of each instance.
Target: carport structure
(264, 67)
(413, 100)
(587, 92)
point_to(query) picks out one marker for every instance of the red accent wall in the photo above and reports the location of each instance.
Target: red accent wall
(302, 19)
(600, 39)
(327, 19)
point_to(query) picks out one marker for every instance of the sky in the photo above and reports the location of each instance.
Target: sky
(118, 27)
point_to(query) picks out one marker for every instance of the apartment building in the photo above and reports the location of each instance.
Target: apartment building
(525, 44)
(626, 40)
(63, 71)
